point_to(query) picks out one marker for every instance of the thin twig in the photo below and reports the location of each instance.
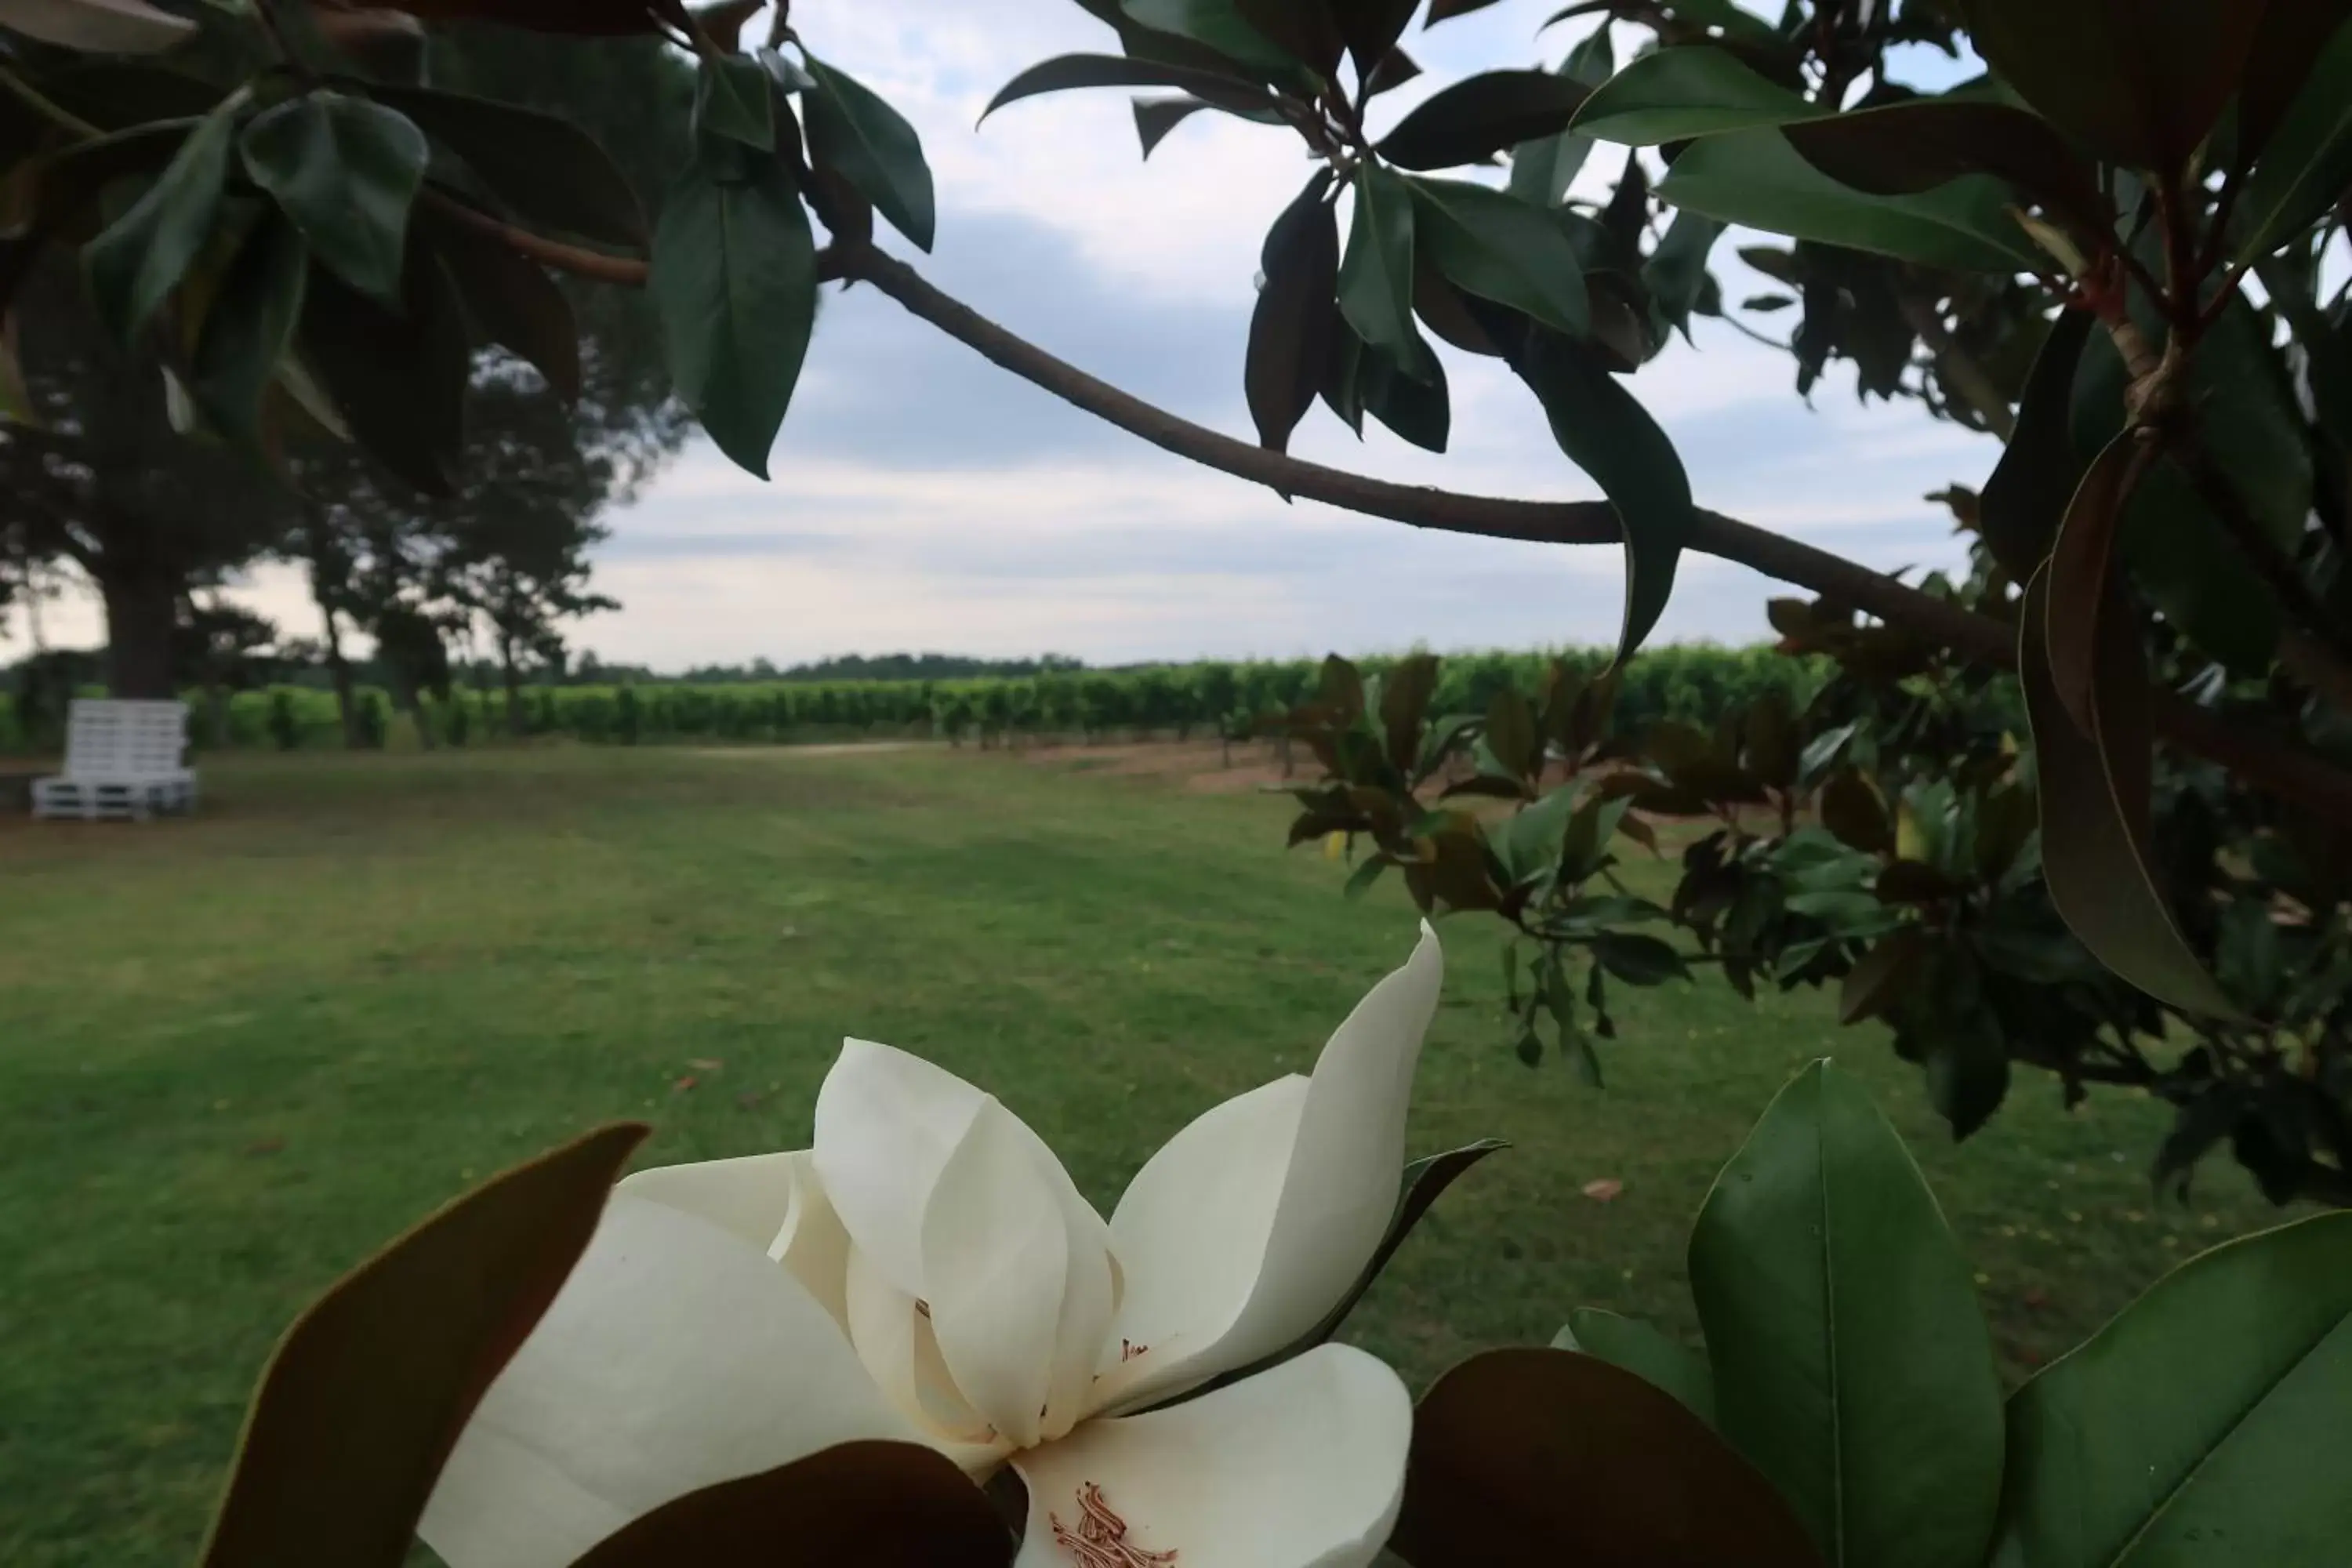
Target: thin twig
(55, 114)
(627, 270)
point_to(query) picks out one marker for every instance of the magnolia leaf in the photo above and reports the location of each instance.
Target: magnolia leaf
(1606, 432)
(2204, 1423)
(583, 19)
(1215, 25)
(366, 1393)
(1446, 10)
(1396, 69)
(1694, 90)
(1290, 330)
(1501, 249)
(2142, 85)
(346, 170)
(732, 99)
(1880, 976)
(852, 132)
(1904, 149)
(1542, 169)
(2077, 586)
(552, 173)
(2039, 470)
(2289, 46)
(1643, 1351)
(2308, 159)
(1851, 1363)
(874, 1504)
(396, 377)
(1376, 274)
(2095, 790)
(97, 26)
(1530, 1458)
(1156, 117)
(140, 257)
(1480, 116)
(1305, 30)
(1676, 273)
(248, 327)
(1371, 29)
(512, 302)
(1404, 704)
(1851, 810)
(734, 278)
(1415, 409)
(1065, 72)
(1757, 179)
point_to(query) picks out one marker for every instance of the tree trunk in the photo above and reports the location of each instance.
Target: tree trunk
(140, 612)
(409, 700)
(338, 669)
(516, 727)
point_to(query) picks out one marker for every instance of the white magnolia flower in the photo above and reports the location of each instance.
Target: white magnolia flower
(928, 1272)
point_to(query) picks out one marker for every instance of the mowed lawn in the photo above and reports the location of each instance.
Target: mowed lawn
(237, 1053)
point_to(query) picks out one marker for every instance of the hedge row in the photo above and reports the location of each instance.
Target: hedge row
(1690, 683)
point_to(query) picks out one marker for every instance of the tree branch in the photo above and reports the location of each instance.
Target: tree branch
(2264, 761)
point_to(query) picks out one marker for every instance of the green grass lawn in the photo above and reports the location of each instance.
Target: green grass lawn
(237, 1053)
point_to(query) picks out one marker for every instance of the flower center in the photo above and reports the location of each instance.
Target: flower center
(1100, 1540)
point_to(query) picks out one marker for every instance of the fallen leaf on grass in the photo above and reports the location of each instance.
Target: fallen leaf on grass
(1604, 1189)
(705, 1064)
(265, 1146)
(683, 1084)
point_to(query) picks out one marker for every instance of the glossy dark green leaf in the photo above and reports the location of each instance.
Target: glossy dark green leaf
(1676, 273)
(1501, 249)
(2308, 160)
(1395, 69)
(1305, 30)
(1851, 1363)
(2076, 588)
(1156, 117)
(2141, 84)
(2094, 814)
(513, 303)
(2026, 497)
(2289, 44)
(1757, 179)
(139, 259)
(367, 1392)
(1880, 976)
(1417, 410)
(1376, 274)
(1542, 169)
(552, 173)
(2203, 1424)
(1480, 116)
(733, 98)
(346, 170)
(1371, 29)
(1696, 89)
(854, 133)
(1065, 73)
(1446, 10)
(1641, 1350)
(1290, 329)
(1966, 1070)
(874, 1504)
(1638, 958)
(734, 278)
(1851, 810)
(1903, 148)
(250, 326)
(1609, 435)
(397, 376)
(1533, 1459)
(1404, 705)
(1215, 25)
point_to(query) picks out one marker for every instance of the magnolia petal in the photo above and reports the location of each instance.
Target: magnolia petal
(101, 26)
(1240, 1286)
(674, 1357)
(1192, 1227)
(1300, 1466)
(885, 1125)
(747, 1197)
(812, 1243)
(996, 1258)
(894, 1340)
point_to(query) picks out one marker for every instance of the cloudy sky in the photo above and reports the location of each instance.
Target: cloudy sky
(924, 499)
